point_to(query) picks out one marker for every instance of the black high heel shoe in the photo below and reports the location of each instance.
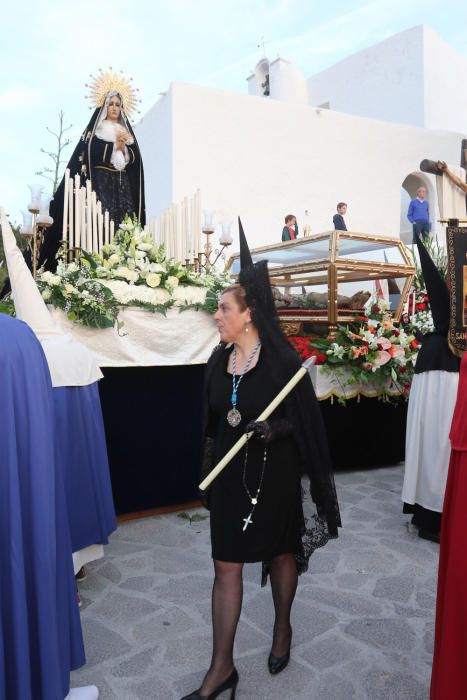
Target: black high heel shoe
(276, 664)
(230, 683)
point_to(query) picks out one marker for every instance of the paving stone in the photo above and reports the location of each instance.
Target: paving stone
(185, 589)
(121, 609)
(383, 633)
(101, 643)
(394, 588)
(308, 621)
(135, 666)
(165, 562)
(347, 603)
(153, 688)
(147, 618)
(167, 624)
(385, 685)
(327, 652)
(143, 584)
(425, 600)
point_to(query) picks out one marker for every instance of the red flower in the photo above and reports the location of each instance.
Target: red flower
(376, 309)
(420, 307)
(396, 333)
(414, 344)
(321, 358)
(402, 369)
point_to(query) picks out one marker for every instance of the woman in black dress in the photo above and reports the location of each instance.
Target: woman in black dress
(256, 501)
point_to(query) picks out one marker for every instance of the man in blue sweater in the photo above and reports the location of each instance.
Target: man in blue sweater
(418, 215)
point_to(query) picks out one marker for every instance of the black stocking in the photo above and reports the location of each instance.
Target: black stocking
(284, 579)
(227, 593)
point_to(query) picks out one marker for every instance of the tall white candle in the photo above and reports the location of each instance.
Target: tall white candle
(88, 246)
(82, 197)
(112, 231)
(198, 220)
(100, 227)
(77, 185)
(106, 227)
(70, 215)
(94, 222)
(194, 235)
(65, 212)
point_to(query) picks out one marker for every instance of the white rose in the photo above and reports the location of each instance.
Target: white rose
(153, 280)
(132, 276)
(139, 254)
(72, 267)
(144, 246)
(114, 259)
(126, 227)
(46, 276)
(46, 294)
(55, 280)
(70, 289)
(155, 267)
(172, 281)
(122, 272)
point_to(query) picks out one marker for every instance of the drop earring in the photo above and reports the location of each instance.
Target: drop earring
(246, 328)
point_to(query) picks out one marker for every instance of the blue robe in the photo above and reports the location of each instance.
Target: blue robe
(40, 628)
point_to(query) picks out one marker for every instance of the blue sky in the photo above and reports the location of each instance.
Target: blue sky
(48, 49)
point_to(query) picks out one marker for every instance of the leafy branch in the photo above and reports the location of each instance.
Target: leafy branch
(53, 173)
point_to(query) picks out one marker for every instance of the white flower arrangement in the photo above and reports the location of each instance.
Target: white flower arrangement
(131, 271)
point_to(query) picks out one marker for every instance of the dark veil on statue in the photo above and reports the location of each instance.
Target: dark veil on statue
(92, 160)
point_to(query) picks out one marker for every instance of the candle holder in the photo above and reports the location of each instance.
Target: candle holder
(38, 211)
(210, 255)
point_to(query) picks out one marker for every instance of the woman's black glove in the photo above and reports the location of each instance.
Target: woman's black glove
(270, 430)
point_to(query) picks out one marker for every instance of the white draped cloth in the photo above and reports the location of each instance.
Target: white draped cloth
(431, 406)
(148, 339)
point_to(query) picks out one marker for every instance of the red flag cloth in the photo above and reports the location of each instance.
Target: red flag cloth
(449, 675)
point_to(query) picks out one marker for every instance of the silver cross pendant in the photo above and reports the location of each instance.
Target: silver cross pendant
(247, 521)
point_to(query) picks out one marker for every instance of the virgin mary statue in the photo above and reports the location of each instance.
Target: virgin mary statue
(108, 155)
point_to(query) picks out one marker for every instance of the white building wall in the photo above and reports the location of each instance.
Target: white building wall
(445, 86)
(384, 81)
(155, 137)
(287, 83)
(263, 159)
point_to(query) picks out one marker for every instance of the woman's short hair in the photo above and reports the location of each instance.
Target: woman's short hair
(239, 295)
(289, 217)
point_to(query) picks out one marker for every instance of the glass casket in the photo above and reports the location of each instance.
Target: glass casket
(328, 277)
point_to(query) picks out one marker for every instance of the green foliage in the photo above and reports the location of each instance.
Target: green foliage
(195, 518)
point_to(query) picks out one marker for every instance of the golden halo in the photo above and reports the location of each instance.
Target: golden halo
(107, 81)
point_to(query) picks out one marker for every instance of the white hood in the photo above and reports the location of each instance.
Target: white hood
(70, 362)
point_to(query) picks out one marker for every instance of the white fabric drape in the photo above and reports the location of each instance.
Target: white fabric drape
(149, 339)
(431, 406)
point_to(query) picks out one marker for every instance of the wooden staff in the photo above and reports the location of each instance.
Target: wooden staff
(264, 416)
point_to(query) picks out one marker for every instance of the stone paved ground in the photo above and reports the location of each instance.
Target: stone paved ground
(363, 617)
